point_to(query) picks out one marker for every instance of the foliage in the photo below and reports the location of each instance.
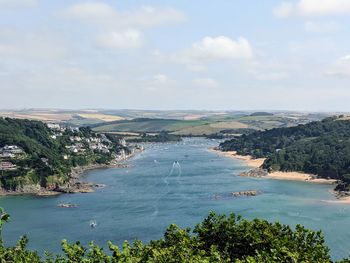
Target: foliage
(43, 159)
(163, 136)
(252, 241)
(4, 217)
(136, 125)
(217, 239)
(321, 148)
(229, 133)
(261, 113)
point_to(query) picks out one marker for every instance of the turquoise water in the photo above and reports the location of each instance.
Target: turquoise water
(142, 200)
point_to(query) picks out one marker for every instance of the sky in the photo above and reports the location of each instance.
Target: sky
(179, 54)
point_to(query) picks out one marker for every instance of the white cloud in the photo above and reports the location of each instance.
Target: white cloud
(266, 69)
(340, 68)
(221, 48)
(313, 8)
(214, 48)
(120, 40)
(149, 16)
(285, 9)
(91, 11)
(33, 45)
(18, 3)
(121, 29)
(323, 7)
(205, 83)
(211, 50)
(346, 57)
(271, 76)
(101, 14)
(160, 78)
(321, 27)
(315, 46)
(196, 67)
(160, 83)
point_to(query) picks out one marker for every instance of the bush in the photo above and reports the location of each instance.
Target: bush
(217, 239)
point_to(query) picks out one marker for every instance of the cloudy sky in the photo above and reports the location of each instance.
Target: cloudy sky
(179, 54)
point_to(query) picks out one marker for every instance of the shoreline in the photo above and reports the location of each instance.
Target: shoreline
(342, 198)
(247, 159)
(300, 176)
(74, 186)
(288, 176)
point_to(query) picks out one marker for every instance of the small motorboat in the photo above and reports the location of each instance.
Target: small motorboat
(67, 205)
(93, 224)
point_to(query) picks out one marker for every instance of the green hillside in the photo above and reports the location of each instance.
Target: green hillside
(33, 154)
(321, 148)
(147, 125)
(203, 126)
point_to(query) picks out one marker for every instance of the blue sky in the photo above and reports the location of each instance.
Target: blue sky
(234, 55)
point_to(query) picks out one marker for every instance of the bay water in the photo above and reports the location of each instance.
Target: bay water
(172, 183)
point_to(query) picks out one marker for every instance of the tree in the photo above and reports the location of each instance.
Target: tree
(219, 239)
(4, 218)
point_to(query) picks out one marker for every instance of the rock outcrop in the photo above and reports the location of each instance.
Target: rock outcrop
(245, 193)
(257, 172)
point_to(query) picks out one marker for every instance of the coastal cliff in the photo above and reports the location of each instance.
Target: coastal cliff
(41, 159)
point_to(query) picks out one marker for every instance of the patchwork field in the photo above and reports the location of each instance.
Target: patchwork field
(205, 126)
(84, 117)
(102, 117)
(48, 117)
(177, 122)
(211, 128)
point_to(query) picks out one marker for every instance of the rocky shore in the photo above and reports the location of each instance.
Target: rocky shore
(78, 187)
(245, 193)
(75, 185)
(256, 172)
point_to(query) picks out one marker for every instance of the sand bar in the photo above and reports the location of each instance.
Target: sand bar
(299, 176)
(291, 176)
(341, 200)
(248, 160)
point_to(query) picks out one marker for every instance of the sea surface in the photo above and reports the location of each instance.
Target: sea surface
(172, 183)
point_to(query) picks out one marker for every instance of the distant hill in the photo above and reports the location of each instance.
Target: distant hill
(182, 122)
(261, 113)
(204, 126)
(321, 148)
(138, 125)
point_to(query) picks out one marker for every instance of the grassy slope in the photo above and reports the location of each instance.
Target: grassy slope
(146, 125)
(156, 125)
(210, 128)
(179, 122)
(197, 127)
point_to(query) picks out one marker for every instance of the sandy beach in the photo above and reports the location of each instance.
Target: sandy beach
(254, 163)
(298, 176)
(291, 176)
(341, 200)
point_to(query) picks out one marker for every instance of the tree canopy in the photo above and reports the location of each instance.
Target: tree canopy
(321, 148)
(43, 160)
(218, 238)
